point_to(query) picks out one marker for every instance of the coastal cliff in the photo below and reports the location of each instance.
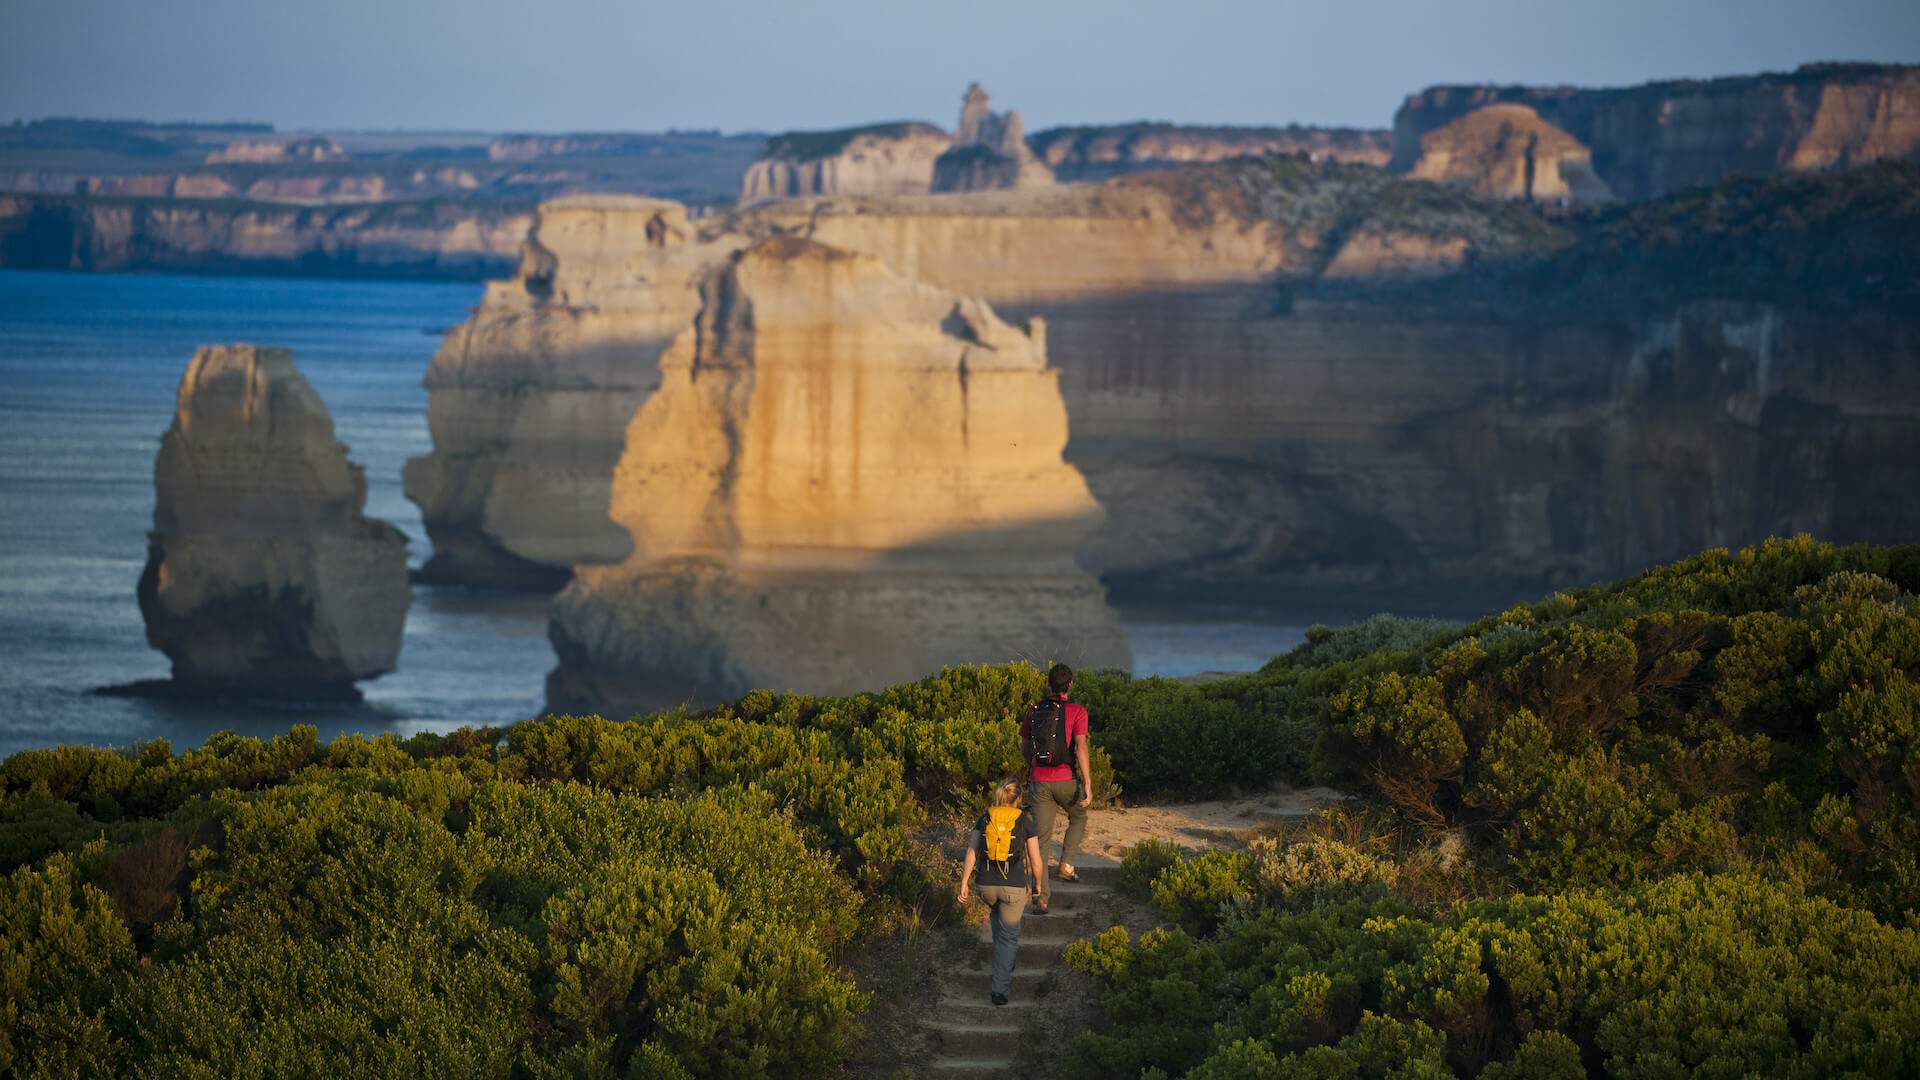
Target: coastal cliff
(445, 240)
(264, 577)
(529, 399)
(1284, 377)
(1657, 138)
(878, 159)
(844, 476)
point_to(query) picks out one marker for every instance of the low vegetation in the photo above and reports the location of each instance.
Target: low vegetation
(1643, 829)
(1659, 828)
(1841, 240)
(813, 145)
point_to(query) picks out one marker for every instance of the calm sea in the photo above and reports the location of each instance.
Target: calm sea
(88, 369)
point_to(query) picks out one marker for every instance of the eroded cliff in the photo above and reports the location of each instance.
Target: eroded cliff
(466, 241)
(1260, 409)
(264, 577)
(1650, 140)
(878, 159)
(846, 478)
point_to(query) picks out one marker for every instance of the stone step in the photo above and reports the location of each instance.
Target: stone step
(951, 1032)
(964, 1069)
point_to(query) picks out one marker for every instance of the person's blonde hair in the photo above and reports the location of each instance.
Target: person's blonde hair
(1005, 793)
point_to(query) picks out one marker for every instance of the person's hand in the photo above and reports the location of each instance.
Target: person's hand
(1086, 798)
(963, 892)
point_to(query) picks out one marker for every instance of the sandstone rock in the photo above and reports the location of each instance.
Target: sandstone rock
(1241, 441)
(1508, 152)
(529, 400)
(880, 159)
(846, 479)
(263, 575)
(1660, 137)
(989, 151)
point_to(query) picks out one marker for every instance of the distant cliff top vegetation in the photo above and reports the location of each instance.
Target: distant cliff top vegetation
(1204, 131)
(810, 145)
(1324, 202)
(1827, 240)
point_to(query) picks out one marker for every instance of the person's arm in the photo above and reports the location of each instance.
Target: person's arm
(966, 864)
(1039, 864)
(1086, 768)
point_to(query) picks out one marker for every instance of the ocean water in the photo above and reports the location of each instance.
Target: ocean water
(89, 365)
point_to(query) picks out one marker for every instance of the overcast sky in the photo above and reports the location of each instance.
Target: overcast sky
(555, 65)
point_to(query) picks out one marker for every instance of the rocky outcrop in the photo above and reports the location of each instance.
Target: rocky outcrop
(846, 479)
(1262, 411)
(264, 577)
(529, 399)
(879, 159)
(1105, 151)
(989, 151)
(1657, 138)
(396, 240)
(1508, 152)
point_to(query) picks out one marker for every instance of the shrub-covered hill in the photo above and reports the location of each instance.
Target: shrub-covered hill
(1586, 815)
(1843, 240)
(1664, 827)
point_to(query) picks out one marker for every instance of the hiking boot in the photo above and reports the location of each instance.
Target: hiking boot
(997, 999)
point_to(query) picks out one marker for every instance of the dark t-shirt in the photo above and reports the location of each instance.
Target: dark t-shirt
(987, 872)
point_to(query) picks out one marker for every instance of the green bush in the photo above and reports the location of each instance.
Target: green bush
(1740, 711)
(1692, 975)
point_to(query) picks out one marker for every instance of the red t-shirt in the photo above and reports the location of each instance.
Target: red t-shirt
(1076, 732)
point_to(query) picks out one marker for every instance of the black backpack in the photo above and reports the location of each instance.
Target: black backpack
(1047, 733)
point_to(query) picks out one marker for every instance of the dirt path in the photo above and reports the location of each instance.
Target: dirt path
(970, 1037)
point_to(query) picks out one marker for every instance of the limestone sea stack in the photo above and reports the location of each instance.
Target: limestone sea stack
(989, 152)
(264, 577)
(529, 400)
(846, 479)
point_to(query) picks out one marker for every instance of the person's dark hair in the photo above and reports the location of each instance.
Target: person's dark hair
(1059, 677)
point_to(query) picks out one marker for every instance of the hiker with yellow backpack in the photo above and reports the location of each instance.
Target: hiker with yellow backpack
(1004, 849)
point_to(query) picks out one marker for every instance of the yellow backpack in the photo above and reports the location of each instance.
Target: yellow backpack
(999, 834)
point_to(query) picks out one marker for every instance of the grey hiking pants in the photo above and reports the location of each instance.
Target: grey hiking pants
(1048, 798)
(1005, 905)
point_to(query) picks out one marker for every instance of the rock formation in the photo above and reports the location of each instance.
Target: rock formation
(529, 400)
(1508, 152)
(846, 479)
(1105, 151)
(395, 240)
(879, 159)
(1243, 439)
(1657, 138)
(264, 577)
(989, 151)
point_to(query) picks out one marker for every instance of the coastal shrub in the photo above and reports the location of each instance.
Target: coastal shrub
(1690, 975)
(1754, 711)
(65, 959)
(1143, 863)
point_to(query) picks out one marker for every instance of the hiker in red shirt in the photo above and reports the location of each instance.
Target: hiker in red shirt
(1053, 739)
